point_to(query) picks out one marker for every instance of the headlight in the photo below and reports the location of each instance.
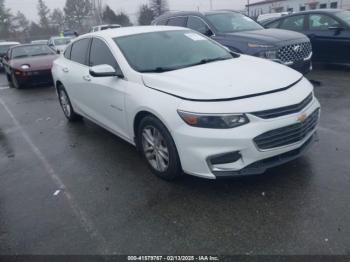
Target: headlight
(272, 54)
(255, 45)
(217, 121)
(25, 67)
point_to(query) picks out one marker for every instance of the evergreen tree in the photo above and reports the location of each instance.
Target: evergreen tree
(5, 21)
(146, 15)
(43, 13)
(159, 7)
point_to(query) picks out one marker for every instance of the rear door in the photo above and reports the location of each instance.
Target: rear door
(74, 70)
(329, 45)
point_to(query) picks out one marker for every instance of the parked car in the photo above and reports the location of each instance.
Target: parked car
(59, 43)
(39, 42)
(104, 27)
(186, 102)
(243, 35)
(29, 64)
(328, 30)
(271, 16)
(4, 46)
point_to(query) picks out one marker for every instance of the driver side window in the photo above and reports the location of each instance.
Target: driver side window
(100, 54)
(321, 22)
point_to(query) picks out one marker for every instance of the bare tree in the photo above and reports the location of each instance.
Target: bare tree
(77, 13)
(57, 19)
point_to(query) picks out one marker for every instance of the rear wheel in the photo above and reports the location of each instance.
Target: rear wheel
(158, 148)
(67, 106)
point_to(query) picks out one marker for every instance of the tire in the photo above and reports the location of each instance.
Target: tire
(66, 105)
(14, 82)
(9, 80)
(162, 157)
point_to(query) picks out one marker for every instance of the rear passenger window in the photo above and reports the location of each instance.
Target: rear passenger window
(178, 21)
(162, 22)
(294, 23)
(80, 50)
(67, 52)
(198, 25)
(273, 24)
(101, 55)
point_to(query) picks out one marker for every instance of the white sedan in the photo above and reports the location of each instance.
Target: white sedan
(187, 103)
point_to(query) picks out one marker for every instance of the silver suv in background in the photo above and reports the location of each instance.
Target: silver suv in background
(104, 27)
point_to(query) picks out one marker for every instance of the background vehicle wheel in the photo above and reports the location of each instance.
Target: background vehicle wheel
(14, 82)
(67, 106)
(9, 80)
(158, 148)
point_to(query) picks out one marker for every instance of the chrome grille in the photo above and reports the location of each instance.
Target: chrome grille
(282, 111)
(287, 135)
(294, 52)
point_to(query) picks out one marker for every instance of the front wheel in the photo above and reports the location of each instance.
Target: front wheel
(66, 105)
(158, 148)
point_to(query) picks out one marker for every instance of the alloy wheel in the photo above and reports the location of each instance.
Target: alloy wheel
(65, 103)
(155, 148)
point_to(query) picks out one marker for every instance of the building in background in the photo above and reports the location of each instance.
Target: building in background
(278, 6)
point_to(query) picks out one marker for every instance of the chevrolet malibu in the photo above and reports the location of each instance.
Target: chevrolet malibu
(187, 103)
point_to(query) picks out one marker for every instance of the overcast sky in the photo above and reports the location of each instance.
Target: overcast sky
(28, 7)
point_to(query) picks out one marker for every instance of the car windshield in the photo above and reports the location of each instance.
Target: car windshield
(344, 15)
(169, 50)
(31, 50)
(232, 22)
(62, 41)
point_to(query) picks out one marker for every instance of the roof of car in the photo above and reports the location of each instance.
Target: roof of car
(125, 31)
(9, 43)
(196, 13)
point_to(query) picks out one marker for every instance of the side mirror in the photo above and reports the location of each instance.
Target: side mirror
(5, 58)
(209, 33)
(104, 71)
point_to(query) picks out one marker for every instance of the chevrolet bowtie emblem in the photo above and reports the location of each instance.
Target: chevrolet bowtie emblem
(301, 118)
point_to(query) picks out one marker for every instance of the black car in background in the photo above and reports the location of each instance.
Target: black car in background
(243, 35)
(327, 29)
(4, 46)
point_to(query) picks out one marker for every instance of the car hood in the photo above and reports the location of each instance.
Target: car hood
(36, 62)
(269, 36)
(229, 79)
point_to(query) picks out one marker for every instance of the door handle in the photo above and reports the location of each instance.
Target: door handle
(65, 69)
(87, 78)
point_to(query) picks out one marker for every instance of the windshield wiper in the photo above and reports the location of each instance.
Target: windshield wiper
(158, 70)
(210, 60)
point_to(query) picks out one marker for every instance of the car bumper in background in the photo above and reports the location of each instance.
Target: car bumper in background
(34, 77)
(303, 67)
(213, 153)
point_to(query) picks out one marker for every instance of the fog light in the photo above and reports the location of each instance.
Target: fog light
(225, 158)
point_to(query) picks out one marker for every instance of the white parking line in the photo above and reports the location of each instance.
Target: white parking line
(86, 223)
(4, 87)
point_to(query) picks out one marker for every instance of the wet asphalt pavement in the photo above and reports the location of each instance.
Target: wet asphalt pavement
(77, 189)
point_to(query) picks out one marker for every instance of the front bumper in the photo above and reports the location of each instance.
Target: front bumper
(34, 77)
(196, 146)
(303, 67)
